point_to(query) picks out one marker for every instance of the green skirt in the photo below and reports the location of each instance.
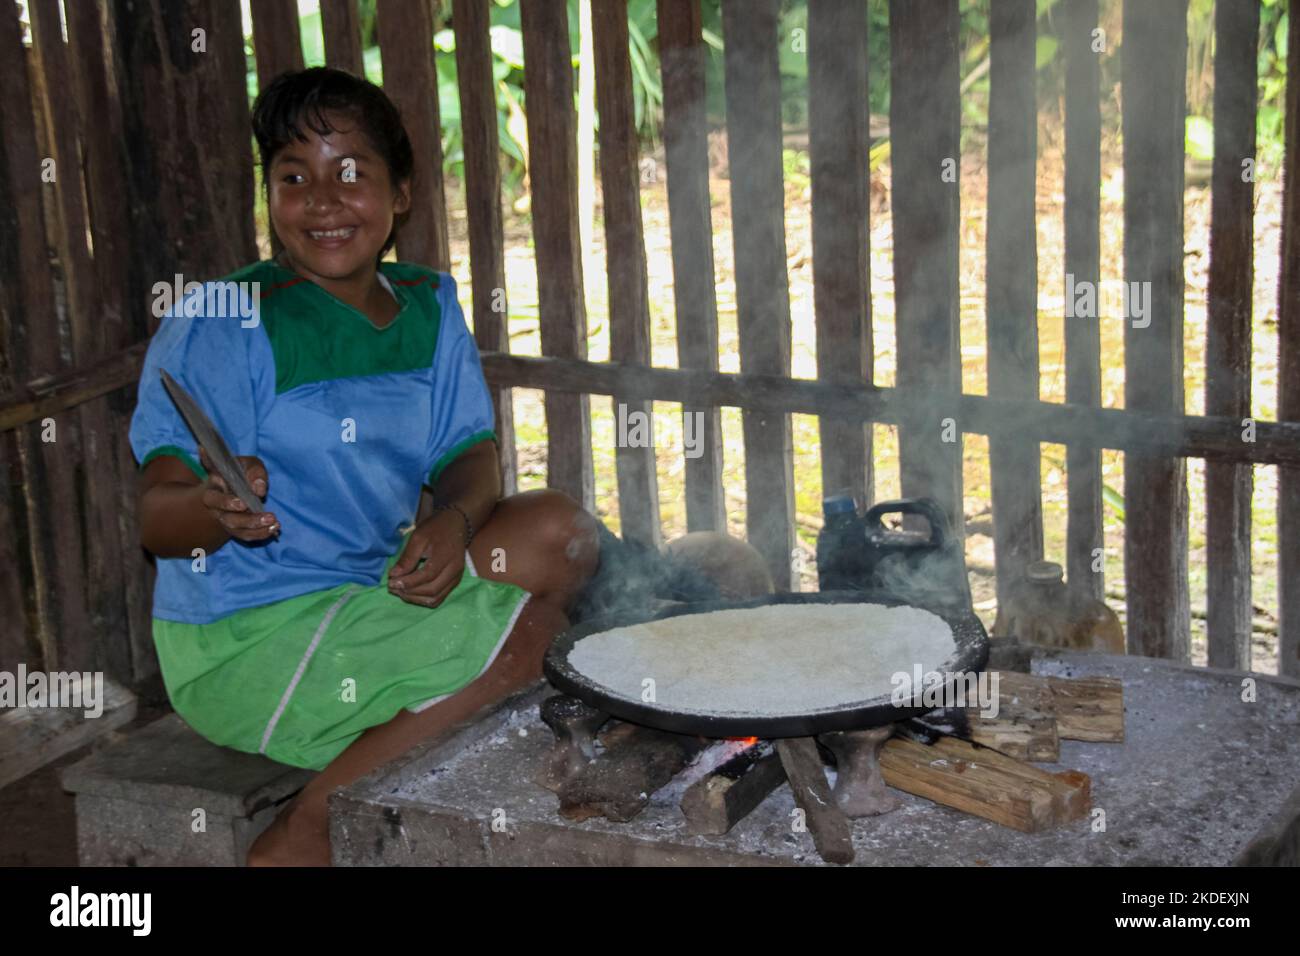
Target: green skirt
(300, 679)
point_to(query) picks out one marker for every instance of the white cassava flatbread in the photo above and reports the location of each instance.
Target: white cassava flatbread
(781, 659)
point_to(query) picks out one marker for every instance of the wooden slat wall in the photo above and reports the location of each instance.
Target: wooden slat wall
(924, 84)
(841, 177)
(411, 81)
(341, 29)
(1228, 335)
(94, 429)
(682, 60)
(553, 169)
(1085, 527)
(625, 270)
(104, 159)
(754, 143)
(30, 334)
(277, 39)
(1155, 489)
(1012, 282)
(478, 121)
(1288, 368)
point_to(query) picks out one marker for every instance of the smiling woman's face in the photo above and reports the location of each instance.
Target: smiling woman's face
(332, 202)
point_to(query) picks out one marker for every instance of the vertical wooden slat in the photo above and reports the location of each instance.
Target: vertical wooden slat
(682, 60)
(1084, 534)
(277, 38)
(411, 81)
(925, 125)
(754, 142)
(30, 333)
(629, 292)
(553, 170)
(478, 121)
(185, 116)
(1012, 283)
(104, 593)
(841, 177)
(16, 638)
(104, 160)
(341, 29)
(1228, 333)
(1155, 489)
(1288, 368)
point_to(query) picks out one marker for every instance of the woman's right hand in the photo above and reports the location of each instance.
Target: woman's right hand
(229, 510)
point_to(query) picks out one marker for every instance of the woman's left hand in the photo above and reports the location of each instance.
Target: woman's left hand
(440, 540)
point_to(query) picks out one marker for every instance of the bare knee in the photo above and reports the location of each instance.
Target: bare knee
(565, 538)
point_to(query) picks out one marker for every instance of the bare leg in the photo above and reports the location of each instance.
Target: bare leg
(546, 541)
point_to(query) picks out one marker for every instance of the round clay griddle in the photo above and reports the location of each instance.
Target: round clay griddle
(970, 654)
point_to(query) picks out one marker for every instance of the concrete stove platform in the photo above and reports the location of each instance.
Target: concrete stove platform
(1200, 773)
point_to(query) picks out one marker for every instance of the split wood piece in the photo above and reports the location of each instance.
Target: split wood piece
(574, 724)
(985, 783)
(722, 798)
(859, 786)
(618, 783)
(1024, 734)
(1025, 727)
(812, 794)
(1086, 708)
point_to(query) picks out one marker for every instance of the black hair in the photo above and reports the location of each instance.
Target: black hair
(297, 99)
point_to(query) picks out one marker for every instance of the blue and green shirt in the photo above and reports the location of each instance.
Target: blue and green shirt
(349, 419)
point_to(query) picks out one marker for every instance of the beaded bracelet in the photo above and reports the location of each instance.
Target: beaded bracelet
(469, 528)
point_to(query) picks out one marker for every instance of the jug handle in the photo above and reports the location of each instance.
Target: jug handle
(927, 508)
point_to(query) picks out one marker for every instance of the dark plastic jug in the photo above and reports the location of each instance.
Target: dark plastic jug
(860, 553)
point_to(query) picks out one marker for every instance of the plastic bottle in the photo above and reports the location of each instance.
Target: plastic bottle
(841, 562)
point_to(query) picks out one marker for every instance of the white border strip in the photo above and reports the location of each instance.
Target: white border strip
(302, 667)
(510, 626)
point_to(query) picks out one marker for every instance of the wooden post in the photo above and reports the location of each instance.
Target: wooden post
(341, 29)
(478, 123)
(629, 287)
(682, 60)
(552, 167)
(277, 38)
(754, 142)
(1155, 488)
(841, 178)
(30, 336)
(1085, 524)
(1012, 282)
(1288, 368)
(411, 81)
(925, 123)
(1228, 335)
